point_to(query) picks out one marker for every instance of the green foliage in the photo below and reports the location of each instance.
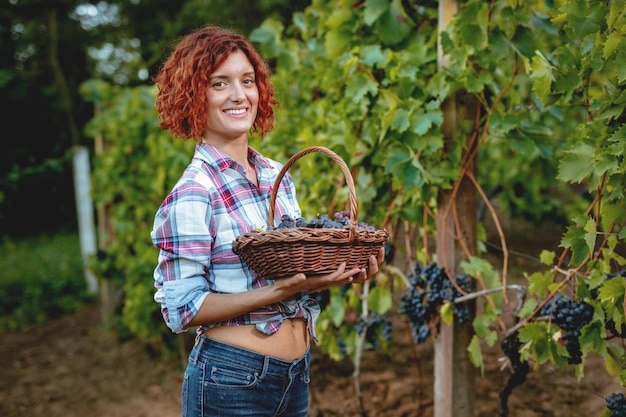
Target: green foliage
(542, 117)
(547, 81)
(42, 278)
(131, 177)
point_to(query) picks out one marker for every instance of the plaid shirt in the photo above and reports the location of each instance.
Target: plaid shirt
(195, 226)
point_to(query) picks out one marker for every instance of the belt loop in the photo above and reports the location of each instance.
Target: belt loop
(266, 366)
(307, 363)
(307, 358)
(197, 347)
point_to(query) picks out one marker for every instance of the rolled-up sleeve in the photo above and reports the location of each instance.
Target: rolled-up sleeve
(181, 232)
(180, 299)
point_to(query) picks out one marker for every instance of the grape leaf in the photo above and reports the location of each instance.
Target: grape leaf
(398, 154)
(477, 266)
(374, 56)
(359, 85)
(447, 312)
(613, 367)
(612, 290)
(338, 17)
(583, 20)
(590, 234)
(400, 121)
(422, 120)
(336, 42)
(577, 163)
(394, 25)
(336, 309)
(528, 307)
(620, 68)
(591, 337)
(379, 300)
(612, 43)
(373, 10)
(534, 339)
(542, 75)
(476, 354)
(547, 257)
(575, 239)
(539, 283)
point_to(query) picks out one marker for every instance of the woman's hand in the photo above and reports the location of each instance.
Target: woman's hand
(373, 268)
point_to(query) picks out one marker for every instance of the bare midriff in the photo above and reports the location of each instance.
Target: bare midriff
(290, 342)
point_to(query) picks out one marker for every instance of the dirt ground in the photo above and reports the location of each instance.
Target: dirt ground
(72, 367)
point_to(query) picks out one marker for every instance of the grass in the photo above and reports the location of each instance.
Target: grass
(41, 278)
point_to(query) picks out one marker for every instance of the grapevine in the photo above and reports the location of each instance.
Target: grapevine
(380, 91)
(430, 288)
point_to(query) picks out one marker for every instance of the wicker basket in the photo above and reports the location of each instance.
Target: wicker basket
(275, 254)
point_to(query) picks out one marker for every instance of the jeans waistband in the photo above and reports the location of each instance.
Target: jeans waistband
(207, 347)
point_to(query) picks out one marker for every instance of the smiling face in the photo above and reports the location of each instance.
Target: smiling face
(233, 99)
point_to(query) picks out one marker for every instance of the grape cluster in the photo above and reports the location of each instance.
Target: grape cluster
(340, 220)
(571, 316)
(322, 298)
(616, 403)
(343, 217)
(430, 288)
(374, 325)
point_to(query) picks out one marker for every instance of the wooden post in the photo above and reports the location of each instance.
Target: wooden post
(108, 287)
(84, 211)
(454, 373)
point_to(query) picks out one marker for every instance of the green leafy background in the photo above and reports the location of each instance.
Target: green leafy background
(362, 78)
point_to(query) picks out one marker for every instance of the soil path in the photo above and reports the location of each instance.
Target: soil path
(72, 368)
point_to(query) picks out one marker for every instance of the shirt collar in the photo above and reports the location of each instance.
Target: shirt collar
(220, 161)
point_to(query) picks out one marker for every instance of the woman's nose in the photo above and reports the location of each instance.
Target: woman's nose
(237, 92)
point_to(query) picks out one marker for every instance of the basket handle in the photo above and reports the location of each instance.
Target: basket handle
(346, 172)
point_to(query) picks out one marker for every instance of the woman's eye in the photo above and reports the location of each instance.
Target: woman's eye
(248, 81)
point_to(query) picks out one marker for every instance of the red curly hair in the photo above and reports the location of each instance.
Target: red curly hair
(183, 81)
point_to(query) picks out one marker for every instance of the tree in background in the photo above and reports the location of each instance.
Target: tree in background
(49, 48)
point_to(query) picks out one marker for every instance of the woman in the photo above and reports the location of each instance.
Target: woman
(251, 355)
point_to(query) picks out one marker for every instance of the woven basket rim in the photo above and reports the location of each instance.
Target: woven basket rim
(330, 236)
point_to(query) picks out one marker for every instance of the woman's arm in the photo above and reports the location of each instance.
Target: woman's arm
(221, 307)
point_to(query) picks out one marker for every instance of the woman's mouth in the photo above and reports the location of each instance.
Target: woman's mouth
(236, 112)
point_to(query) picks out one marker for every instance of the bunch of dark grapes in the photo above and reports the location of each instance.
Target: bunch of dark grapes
(430, 288)
(616, 403)
(571, 316)
(322, 298)
(374, 325)
(342, 345)
(340, 220)
(462, 309)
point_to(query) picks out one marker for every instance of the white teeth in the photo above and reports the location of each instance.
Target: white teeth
(236, 112)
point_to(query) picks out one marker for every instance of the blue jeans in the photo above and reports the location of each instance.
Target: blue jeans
(225, 380)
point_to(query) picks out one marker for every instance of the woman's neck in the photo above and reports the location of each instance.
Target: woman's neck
(235, 148)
